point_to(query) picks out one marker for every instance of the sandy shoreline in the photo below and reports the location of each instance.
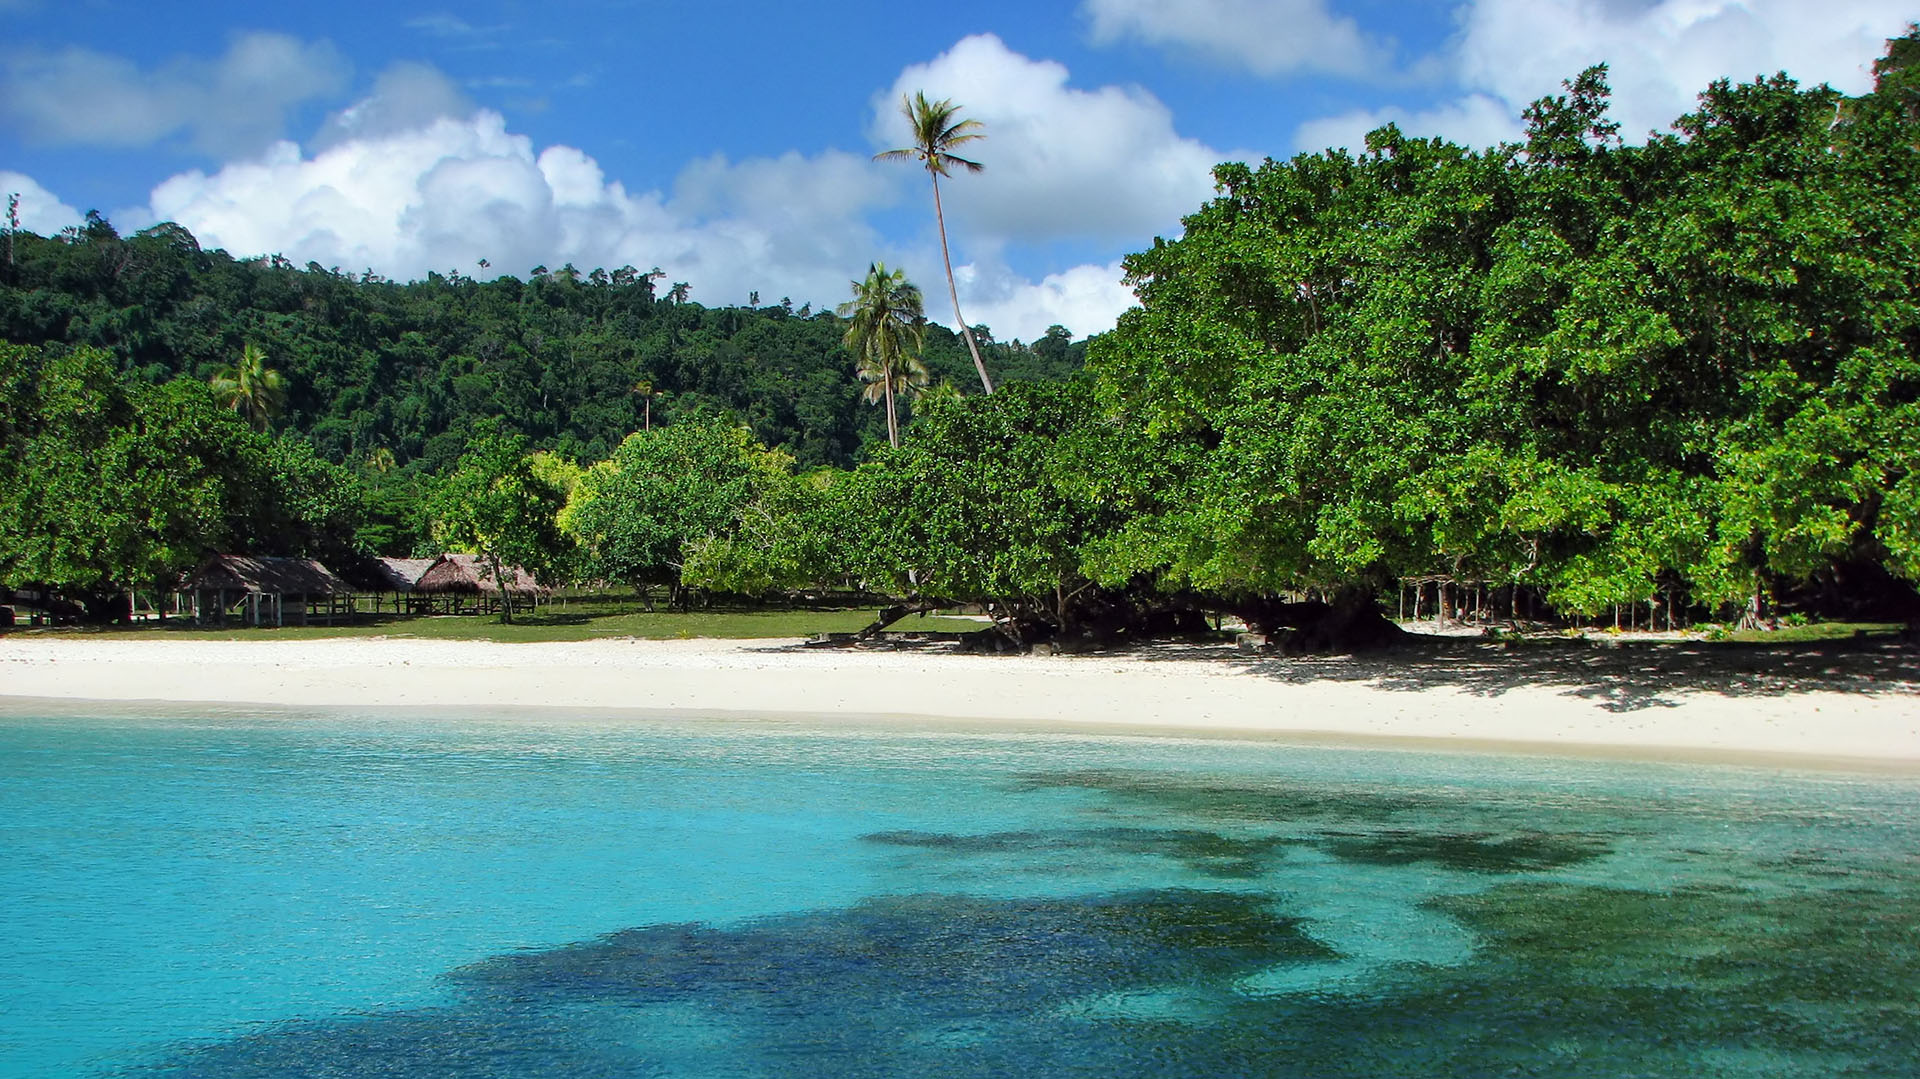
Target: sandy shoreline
(1633, 705)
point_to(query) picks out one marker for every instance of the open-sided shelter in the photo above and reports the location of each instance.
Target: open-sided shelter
(269, 590)
(457, 576)
(401, 576)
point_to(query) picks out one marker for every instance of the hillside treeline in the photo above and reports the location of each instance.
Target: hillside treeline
(1569, 374)
(574, 361)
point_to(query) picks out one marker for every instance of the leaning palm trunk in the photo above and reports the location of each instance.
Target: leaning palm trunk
(936, 131)
(973, 348)
(893, 423)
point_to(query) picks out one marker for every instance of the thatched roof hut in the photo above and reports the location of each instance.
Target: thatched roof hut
(267, 582)
(469, 573)
(266, 576)
(400, 574)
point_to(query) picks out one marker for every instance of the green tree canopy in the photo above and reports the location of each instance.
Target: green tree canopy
(1599, 370)
(112, 484)
(497, 505)
(638, 512)
(251, 388)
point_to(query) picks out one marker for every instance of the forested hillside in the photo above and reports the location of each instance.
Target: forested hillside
(574, 361)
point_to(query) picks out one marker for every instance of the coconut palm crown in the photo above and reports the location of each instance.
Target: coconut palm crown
(936, 131)
(886, 318)
(250, 387)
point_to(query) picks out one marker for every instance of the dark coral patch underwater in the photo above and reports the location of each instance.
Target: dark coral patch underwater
(1570, 981)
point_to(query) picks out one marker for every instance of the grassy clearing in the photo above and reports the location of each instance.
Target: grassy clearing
(580, 622)
(1816, 631)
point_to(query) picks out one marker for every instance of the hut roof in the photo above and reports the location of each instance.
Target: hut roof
(250, 573)
(400, 574)
(470, 573)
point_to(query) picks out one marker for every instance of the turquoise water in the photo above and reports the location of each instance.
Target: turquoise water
(374, 895)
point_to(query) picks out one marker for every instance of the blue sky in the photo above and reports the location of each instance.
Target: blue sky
(730, 145)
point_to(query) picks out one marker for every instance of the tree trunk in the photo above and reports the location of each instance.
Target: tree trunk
(893, 425)
(500, 582)
(940, 218)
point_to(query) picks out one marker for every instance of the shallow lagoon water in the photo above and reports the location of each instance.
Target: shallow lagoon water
(360, 895)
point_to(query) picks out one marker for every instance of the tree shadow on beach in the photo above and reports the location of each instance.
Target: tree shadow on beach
(1617, 675)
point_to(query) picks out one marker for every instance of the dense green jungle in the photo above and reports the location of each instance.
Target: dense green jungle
(1570, 374)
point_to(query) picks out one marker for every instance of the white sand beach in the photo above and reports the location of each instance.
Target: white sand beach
(1804, 706)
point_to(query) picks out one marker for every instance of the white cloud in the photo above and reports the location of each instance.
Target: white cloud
(1660, 56)
(452, 192)
(453, 28)
(40, 210)
(406, 97)
(1476, 120)
(1060, 162)
(1084, 299)
(235, 103)
(1267, 37)
(411, 180)
(436, 197)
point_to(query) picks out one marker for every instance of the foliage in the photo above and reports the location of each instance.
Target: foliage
(111, 484)
(369, 364)
(995, 500)
(498, 506)
(1598, 370)
(639, 513)
(779, 540)
(884, 332)
(317, 509)
(251, 388)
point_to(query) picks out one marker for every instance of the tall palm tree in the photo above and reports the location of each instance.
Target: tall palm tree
(908, 378)
(250, 387)
(645, 391)
(936, 131)
(887, 317)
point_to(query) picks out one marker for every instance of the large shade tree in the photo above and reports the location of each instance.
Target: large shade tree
(499, 505)
(640, 511)
(936, 131)
(1602, 372)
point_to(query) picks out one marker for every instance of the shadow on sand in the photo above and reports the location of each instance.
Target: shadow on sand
(1619, 676)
